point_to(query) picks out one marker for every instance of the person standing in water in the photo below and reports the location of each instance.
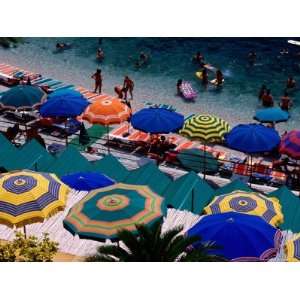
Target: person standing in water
(262, 91)
(267, 99)
(204, 77)
(98, 81)
(128, 86)
(251, 57)
(178, 86)
(286, 102)
(219, 77)
(291, 83)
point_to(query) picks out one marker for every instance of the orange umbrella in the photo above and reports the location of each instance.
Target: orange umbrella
(107, 112)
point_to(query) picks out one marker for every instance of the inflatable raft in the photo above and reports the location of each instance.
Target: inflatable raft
(187, 91)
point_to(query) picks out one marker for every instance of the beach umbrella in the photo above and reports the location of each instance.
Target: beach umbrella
(271, 115)
(86, 181)
(65, 103)
(292, 249)
(250, 203)
(28, 197)
(103, 212)
(290, 144)
(157, 120)
(107, 112)
(196, 160)
(252, 138)
(206, 128)
(22, 97)
(239, 237)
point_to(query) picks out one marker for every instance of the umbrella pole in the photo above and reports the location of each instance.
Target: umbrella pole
(250, 171)
(204, 162)
(24, 229)
(107, 136)
(66, 132)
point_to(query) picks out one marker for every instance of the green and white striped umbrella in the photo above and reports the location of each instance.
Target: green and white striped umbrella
(206, 128)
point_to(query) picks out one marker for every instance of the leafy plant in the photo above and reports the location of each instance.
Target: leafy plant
(151, 245)
(29, 249)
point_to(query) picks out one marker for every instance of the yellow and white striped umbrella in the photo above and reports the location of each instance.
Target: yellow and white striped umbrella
(206, 128)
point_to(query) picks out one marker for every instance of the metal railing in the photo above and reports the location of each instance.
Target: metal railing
(256, 173)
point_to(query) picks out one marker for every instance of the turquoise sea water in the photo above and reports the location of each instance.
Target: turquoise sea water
(171, 60)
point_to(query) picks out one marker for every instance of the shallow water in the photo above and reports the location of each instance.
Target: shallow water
(170, 60)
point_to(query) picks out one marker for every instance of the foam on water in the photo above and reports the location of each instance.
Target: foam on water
(170, 60)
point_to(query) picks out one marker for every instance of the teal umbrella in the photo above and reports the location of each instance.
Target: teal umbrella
(22, 97)
(198, 161)
(103, 212)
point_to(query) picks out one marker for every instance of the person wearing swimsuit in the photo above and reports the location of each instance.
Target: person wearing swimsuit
(98, 81)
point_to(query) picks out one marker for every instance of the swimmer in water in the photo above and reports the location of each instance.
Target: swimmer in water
(267, 99)
(62, 46)
(251, 57)
(262, 91)
(285, 102)
(204, 77)
(100, 54)
(291, 83)
(219, 77)
(142, 61)
(198, 58)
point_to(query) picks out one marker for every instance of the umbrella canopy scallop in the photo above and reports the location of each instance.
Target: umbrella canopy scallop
(23, 97)
(107, 111)
(290, 144)
(238, 237)
(250, 203)
(27, 197)
(103, 212)
(292, 249)
(205, 127)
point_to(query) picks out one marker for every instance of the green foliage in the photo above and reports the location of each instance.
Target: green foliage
(151, 245)
(8, 42)
(29, 249)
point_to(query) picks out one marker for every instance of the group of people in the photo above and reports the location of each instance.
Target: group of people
(285, 102)
(121, 91)
(159, 146)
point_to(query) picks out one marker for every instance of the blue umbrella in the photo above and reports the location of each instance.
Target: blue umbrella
(157, 120)
(86, 181)
(252, 138)
(22, 97)
(64, 103)
(273, 114)
(238, 236)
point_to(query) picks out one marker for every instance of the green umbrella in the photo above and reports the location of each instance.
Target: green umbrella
(103, 212)
(198, 161)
